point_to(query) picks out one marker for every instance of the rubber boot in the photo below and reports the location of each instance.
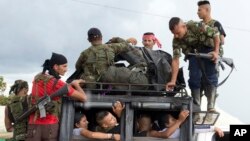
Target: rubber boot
(196, 100)
(196, 104)
(210, 93)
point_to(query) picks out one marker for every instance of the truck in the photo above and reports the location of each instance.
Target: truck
(155, 102)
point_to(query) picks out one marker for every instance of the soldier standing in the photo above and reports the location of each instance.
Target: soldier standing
(18, 103)
(189, 37)
(204, 13)
(46, 83)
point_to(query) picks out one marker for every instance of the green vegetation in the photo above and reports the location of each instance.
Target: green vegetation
(3, 99)
(2, 85)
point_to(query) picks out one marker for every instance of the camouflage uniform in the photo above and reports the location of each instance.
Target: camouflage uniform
(217, 25)
(16, 107)
(97, 63)
(199, 37)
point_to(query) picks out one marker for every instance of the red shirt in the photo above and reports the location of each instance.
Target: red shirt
(38, 90)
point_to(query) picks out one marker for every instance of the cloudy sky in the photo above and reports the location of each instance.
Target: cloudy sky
(30, 30)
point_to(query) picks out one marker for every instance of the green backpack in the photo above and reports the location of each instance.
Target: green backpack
(16, 107)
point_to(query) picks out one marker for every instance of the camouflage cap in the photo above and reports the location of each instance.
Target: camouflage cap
(94, 33)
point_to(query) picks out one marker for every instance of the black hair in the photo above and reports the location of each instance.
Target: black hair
(17, 86)
(203, 2)
(143, 115)
(49, 63)
(77, 118)
(173, 22)
(100, 116)
(164, 119)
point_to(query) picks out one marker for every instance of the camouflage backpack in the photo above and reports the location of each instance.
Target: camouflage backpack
(99, 58)
(16, 107)
(54, 107)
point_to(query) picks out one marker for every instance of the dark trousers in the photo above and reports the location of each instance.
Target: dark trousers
(38, 132)
(195, 73)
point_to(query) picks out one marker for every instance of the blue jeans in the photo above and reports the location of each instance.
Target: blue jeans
(195, 73)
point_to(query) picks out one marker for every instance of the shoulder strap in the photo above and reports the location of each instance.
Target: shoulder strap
(205, 76)
(45, 79)
(9, 113)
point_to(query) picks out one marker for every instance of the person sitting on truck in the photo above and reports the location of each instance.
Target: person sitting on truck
(149, 40)
(107, 122)
(173, 131)
(172, 125)
(81, 128)
(96, 63)
(145, 126)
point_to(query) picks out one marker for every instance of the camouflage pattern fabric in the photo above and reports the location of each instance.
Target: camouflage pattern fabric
(16, 107)
(211, 23)
(126, 76)
(198, 35)
(53, 107)
(96, 60)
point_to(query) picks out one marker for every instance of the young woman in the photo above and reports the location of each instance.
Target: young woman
(81, 128)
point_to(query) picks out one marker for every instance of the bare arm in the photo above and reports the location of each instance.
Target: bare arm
(118, 108)
(8, 124)
(78, 94)
(217, 130)
(216, 48)
(175, 69)
(98, 135)
(222, 39)
(167, 133)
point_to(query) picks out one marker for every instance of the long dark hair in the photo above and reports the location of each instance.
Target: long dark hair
(18, 86)
(48, 67)
(48, 64)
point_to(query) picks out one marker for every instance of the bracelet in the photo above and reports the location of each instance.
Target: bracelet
(112, 136)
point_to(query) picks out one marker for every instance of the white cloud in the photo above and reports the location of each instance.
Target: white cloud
(30, 30)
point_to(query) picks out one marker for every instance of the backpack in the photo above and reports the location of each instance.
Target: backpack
(16, 107)
(98, 59)
(53, 107)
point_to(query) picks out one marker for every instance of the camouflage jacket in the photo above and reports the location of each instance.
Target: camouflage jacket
(96, 59)
(198, 35)
(16, 107)
(217, 25)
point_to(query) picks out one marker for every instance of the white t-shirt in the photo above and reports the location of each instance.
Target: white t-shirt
(175, 135)
(77, 131)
